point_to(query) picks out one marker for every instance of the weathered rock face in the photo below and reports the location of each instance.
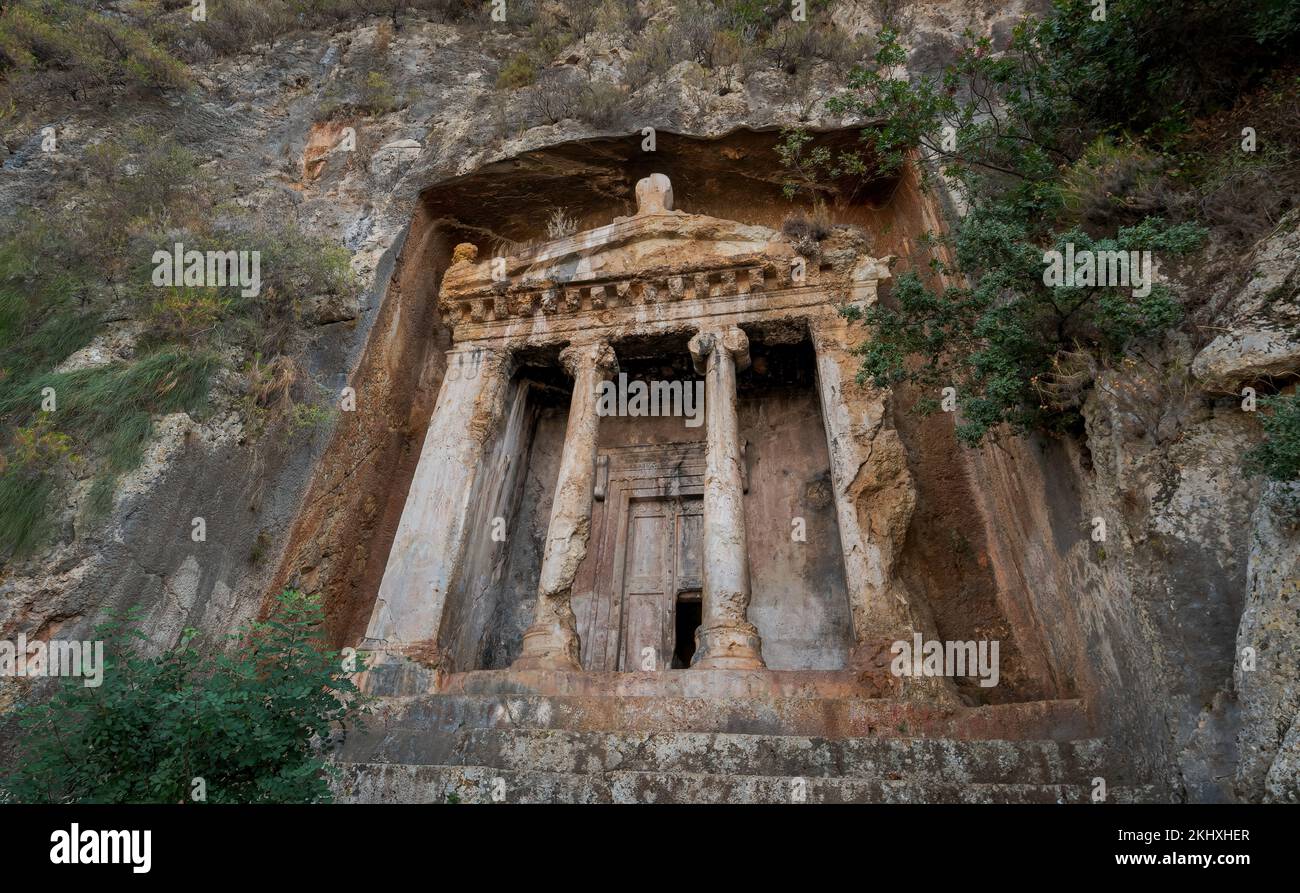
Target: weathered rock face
(1147, 629)
(1259, 348)
(1267, 687)
(1262, 322)
(1197, 565)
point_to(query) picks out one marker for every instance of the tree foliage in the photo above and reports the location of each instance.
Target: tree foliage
(1063, 138)
(248, 723)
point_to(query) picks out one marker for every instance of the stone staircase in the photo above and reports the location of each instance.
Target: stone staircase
(518, 748)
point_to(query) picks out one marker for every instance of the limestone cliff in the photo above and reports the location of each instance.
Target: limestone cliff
(1200, 563)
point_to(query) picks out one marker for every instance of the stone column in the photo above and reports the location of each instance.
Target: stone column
(551, 643)
(726, 639)
(874, 492)
(429, 546)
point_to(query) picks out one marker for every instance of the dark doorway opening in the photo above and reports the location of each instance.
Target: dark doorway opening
(689, 614)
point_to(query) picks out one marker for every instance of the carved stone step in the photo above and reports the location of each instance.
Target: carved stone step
(693, 683)
(988, 761)
(815, 717)
(377, 783)
(1027, 762)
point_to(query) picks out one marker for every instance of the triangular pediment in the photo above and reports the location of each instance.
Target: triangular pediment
(657, 255)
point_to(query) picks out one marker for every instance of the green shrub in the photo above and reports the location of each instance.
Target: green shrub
(248, 722)
(235, 26)
(1002, 341)
(1114, 181)
(547, 36)
(1144, 68)
(25, 520)
(760, 16)
(91, 403)
(105, 411)
(714, 34)
(601, 104)
(618, 17)
(27, 469)
(652, 55)
(520, 71)
(377, 97)
(72, 47)
(800, 44)
(1278, 456)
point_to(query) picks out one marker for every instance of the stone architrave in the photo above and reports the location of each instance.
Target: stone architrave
(551, 643)
(726, 639)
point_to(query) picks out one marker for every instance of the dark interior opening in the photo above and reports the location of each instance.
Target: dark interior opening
(689, 614)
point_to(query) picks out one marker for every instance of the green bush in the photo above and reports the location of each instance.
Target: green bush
(248, 722)
(27, 471)
(93, 403)
(520, 71)
(616, 17)
(654, 52)
(1278, 456)
(1001, 342)
(1146, 66)
(106, 409)
(714, 33)
(377, 97)
(602, 104)
(797, 45)
(72, 47)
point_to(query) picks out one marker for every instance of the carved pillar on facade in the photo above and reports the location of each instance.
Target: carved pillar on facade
(429, 546)
(551, 643)
(874, 492)
(726, 639)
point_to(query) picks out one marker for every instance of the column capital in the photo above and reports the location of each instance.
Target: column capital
(468, 360)
(596, 355)
(732, 339)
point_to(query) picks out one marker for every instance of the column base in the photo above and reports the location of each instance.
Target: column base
(392, 673)
(549, 646)
(728, 648)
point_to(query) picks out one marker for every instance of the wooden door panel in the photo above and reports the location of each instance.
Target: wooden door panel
(690, 545)
(646, 549)
(644, 630)
(646, 582)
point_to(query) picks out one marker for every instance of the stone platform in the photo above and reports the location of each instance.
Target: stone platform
(486, 738)
(390, 675)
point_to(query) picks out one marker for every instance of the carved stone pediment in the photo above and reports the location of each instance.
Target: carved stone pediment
(656, 256)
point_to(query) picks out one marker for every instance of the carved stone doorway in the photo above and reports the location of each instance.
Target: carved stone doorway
(645, 564)
(662, 550)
